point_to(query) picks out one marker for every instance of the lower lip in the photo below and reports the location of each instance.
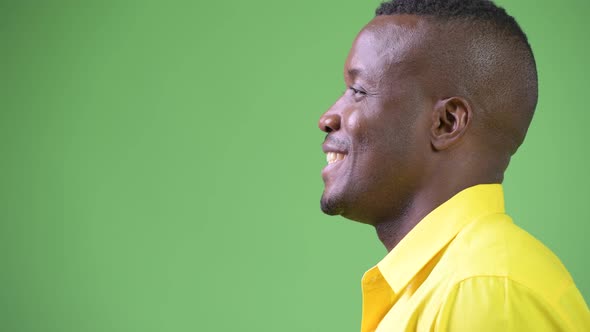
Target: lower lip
(331, 166)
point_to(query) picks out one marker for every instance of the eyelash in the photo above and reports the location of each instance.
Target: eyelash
(357, 91)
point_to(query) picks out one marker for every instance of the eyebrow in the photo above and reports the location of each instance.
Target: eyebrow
(354, 72)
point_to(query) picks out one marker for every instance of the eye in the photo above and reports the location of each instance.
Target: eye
(356, 91)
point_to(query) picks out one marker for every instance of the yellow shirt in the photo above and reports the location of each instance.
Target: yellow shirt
(467, 267)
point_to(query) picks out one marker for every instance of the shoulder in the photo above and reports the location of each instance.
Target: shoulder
(488, 303)
(495, 246)
(501, 276)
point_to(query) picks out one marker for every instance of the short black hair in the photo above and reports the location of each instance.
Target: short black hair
(474, 10)
(505, 45)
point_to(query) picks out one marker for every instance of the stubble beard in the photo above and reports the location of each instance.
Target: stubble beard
(330, 206)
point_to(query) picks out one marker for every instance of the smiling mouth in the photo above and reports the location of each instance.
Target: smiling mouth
(332, 157)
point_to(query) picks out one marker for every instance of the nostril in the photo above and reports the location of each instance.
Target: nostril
(330, 123)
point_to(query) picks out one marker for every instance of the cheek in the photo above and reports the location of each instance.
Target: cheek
(353, 119)
(360, 127)
(384, 128)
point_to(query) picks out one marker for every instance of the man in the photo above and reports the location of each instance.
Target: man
(440, 96)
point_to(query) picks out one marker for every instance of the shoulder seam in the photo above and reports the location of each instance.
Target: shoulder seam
(534, 293)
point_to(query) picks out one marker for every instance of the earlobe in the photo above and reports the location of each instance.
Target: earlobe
(450, 119)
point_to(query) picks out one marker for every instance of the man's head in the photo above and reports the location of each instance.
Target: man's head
(439, 93)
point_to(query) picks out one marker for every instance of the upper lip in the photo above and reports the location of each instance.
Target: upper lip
(327, 147)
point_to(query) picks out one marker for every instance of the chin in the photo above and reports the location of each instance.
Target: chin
(331, 207)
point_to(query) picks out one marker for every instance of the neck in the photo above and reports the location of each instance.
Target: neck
(392, 231)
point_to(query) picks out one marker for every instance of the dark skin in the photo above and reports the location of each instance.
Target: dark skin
(409, 138)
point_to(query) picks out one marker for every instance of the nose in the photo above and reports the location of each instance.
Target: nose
(329, 122)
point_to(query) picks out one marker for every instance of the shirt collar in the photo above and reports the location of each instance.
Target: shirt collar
(436, 230)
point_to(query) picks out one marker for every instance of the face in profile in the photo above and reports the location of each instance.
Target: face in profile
(377, 131)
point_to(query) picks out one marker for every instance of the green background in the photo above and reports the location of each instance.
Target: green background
(160, 163)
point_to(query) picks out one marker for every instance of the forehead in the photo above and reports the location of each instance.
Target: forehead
(387, 43)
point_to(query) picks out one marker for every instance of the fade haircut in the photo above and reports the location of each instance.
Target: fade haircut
(498, 72)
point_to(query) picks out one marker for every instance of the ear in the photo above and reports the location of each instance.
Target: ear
(450, 120)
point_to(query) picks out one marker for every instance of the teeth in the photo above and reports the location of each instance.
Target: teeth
(333, 157)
